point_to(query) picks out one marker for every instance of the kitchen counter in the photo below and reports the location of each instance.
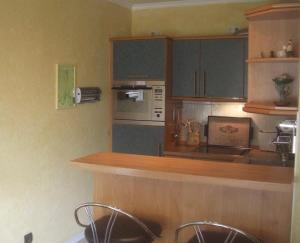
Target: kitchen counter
(173, 191)
(187, 169)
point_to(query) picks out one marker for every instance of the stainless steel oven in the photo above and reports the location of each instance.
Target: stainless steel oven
(139, 102)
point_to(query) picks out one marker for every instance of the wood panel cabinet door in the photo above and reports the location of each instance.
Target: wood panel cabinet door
(223, 67)
(138, 139)
(139, 59)
(186, 68)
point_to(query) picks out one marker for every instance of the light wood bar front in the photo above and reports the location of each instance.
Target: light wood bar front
(174, 191)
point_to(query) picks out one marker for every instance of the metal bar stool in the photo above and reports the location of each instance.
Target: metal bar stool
(209, 232)
(116, 227)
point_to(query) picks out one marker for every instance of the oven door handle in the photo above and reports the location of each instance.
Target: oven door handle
(131, 88)
(135, 95)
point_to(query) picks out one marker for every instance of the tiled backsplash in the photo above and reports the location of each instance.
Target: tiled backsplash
(200, 112)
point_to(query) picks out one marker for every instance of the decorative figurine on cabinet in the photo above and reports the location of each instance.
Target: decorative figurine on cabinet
(282, 53)
(290, 49)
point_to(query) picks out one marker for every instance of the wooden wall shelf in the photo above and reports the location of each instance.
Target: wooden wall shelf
(270, 109)
(270, 27)
(275, 11)
(274, 60)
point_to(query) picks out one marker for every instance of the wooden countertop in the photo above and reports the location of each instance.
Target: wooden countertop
(182, 169)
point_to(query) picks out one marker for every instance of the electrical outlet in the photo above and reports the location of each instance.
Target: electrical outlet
(28, 238)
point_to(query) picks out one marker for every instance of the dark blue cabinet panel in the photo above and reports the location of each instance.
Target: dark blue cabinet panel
(136, 139)
(246, 69)
(210, 68)
(223, 63)
(186, 68)
(139, 59)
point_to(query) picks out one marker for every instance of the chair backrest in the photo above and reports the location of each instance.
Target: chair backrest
(231, 237)
(112, 219)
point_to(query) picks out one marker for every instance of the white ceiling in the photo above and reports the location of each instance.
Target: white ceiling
(144, 4)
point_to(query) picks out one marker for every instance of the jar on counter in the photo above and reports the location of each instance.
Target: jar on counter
(183, 135)
(193, 133)
(193, 138)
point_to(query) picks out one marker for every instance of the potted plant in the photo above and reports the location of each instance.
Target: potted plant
(282, 86)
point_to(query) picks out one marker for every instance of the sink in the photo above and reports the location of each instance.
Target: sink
(258, 157)
(256, 161)
(222, 150)
(200, 153)
(231, 155)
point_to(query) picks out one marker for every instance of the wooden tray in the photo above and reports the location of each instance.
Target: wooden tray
(229, 131)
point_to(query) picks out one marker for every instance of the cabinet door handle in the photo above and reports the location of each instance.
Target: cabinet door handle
(173, 114)
(199, 85)
(204, 82)
(159, 149)
(195, 83)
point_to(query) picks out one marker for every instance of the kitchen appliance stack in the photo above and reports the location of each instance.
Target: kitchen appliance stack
(286, 141)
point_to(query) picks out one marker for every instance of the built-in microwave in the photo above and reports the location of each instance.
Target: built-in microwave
(139, 102)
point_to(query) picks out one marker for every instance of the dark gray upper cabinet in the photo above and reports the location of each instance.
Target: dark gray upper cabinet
(139, 59)
(186, 68)
(223, 72)
(209, 68)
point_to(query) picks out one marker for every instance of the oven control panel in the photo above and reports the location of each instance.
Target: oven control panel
(158, 105)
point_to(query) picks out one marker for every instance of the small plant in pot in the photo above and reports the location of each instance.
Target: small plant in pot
(282, 86)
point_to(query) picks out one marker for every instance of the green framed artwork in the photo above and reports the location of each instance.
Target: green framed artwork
(65, 85)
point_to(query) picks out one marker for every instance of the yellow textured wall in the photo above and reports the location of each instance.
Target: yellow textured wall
(208, 19)
(38, 188)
